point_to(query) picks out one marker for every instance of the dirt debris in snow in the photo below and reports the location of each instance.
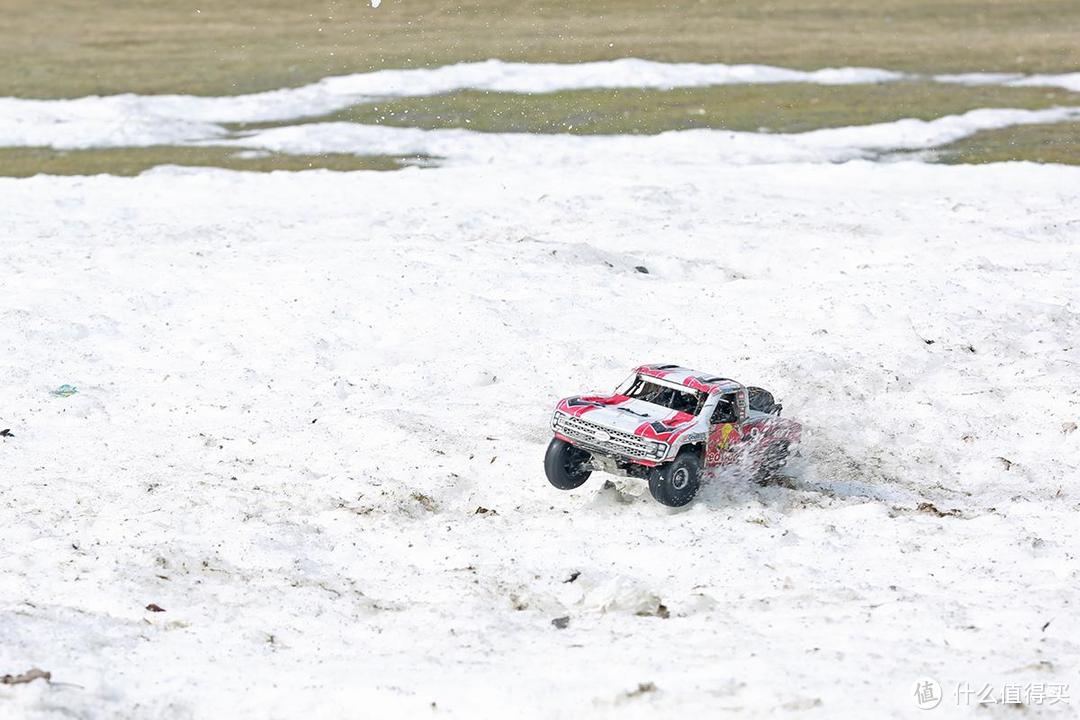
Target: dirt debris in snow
(643, 688)
(27, 677)
(425, 501)
(930, 509)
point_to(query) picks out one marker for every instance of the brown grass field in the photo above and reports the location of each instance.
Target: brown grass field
(71, 48)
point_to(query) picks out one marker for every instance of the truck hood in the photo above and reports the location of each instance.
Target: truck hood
(629, 415)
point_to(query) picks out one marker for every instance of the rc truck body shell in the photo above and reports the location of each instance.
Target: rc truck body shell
(723, 426)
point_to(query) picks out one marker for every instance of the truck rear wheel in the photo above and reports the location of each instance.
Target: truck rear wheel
(676, 483)
(566, 466)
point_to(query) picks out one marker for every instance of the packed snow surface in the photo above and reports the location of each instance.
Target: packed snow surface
(297, 392)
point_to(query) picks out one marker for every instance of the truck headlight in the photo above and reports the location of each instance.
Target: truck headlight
(557, 419)
(657, 449)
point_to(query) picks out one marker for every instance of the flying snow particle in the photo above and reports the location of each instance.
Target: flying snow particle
(376, 3)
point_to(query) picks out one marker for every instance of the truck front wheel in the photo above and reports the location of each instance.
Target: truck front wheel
(567, 467)
(676, 483)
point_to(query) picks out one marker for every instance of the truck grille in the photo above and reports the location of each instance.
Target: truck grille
(620, 443)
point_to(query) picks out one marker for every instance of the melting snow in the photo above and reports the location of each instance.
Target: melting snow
(686, 146)
(141, 120)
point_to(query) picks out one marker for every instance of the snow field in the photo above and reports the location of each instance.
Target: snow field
(296, 390)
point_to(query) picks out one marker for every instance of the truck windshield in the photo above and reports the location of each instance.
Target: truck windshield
(687, 401)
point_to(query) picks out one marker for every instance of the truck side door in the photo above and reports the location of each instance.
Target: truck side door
(725, 431)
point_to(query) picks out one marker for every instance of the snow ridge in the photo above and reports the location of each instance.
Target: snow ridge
(684, 146)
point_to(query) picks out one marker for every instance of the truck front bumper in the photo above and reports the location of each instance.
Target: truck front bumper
(597, 449)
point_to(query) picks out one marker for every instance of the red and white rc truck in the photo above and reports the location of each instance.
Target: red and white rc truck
(669, 425)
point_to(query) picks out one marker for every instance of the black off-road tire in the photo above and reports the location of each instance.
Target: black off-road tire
(676, 483)
(566, 466)
(776, 457)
